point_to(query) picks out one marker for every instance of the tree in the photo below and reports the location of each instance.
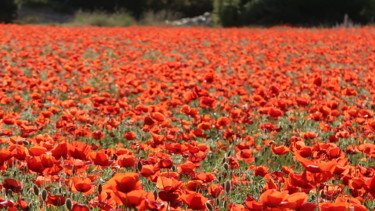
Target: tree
(8, 11)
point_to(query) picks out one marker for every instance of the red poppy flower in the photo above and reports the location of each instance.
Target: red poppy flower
(130, 135)
(55, 200)
(78, 184)
(80, 207)
(370, 184)
(168, 184)
(215, 190)
(280, 150)
(195, 201)
(97, 134)
(12, 185)
(124, 182)
(273, 198)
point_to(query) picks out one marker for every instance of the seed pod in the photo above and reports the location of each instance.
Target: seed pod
(36, 190)
(155, 194)
(225, 204)
(69, 204)
(228, 186)
(44, 195)
(209, 206)
(226, 166)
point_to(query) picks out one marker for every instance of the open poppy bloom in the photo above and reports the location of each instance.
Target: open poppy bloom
(317, 167)
(341, 206)
(12, 185)
(80, 207)
(215, 190)
(118, 187)
(100, 158)
(295, 200)
(195, 200)
(130, 135)
(279, 150)
(169, 184)
(79, 150)
(4, 155)
(164, 118)
(78, 184)
(273, 198)
(371, 185)
(55, 200)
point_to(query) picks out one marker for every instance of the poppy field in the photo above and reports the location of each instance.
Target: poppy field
(147, 118)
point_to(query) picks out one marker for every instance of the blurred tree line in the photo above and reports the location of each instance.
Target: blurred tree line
(292, 12)
(225, 12)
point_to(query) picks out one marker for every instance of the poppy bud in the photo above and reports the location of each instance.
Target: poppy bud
(44, 195)
(155, 194)
(229, 153)
(139, 166)
(100, 188)
(225, 174)
(36, 190)
(209, 206)
(225, 204)
(28, 208)
(69, 204)
(228, 186)
(226, 166)
(224, 160)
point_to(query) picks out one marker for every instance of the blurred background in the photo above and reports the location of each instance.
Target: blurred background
(227, 13)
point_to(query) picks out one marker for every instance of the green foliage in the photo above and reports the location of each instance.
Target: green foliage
(99, 18)
(368, 12)
(8, 11)
(30, 20)
(35, 3)
(293, 12)
(151, 18)
(140, 7)
(226, 12)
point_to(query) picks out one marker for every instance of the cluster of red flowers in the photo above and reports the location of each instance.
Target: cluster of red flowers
(187, 118)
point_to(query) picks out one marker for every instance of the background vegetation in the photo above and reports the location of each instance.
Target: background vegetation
(225, 12)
